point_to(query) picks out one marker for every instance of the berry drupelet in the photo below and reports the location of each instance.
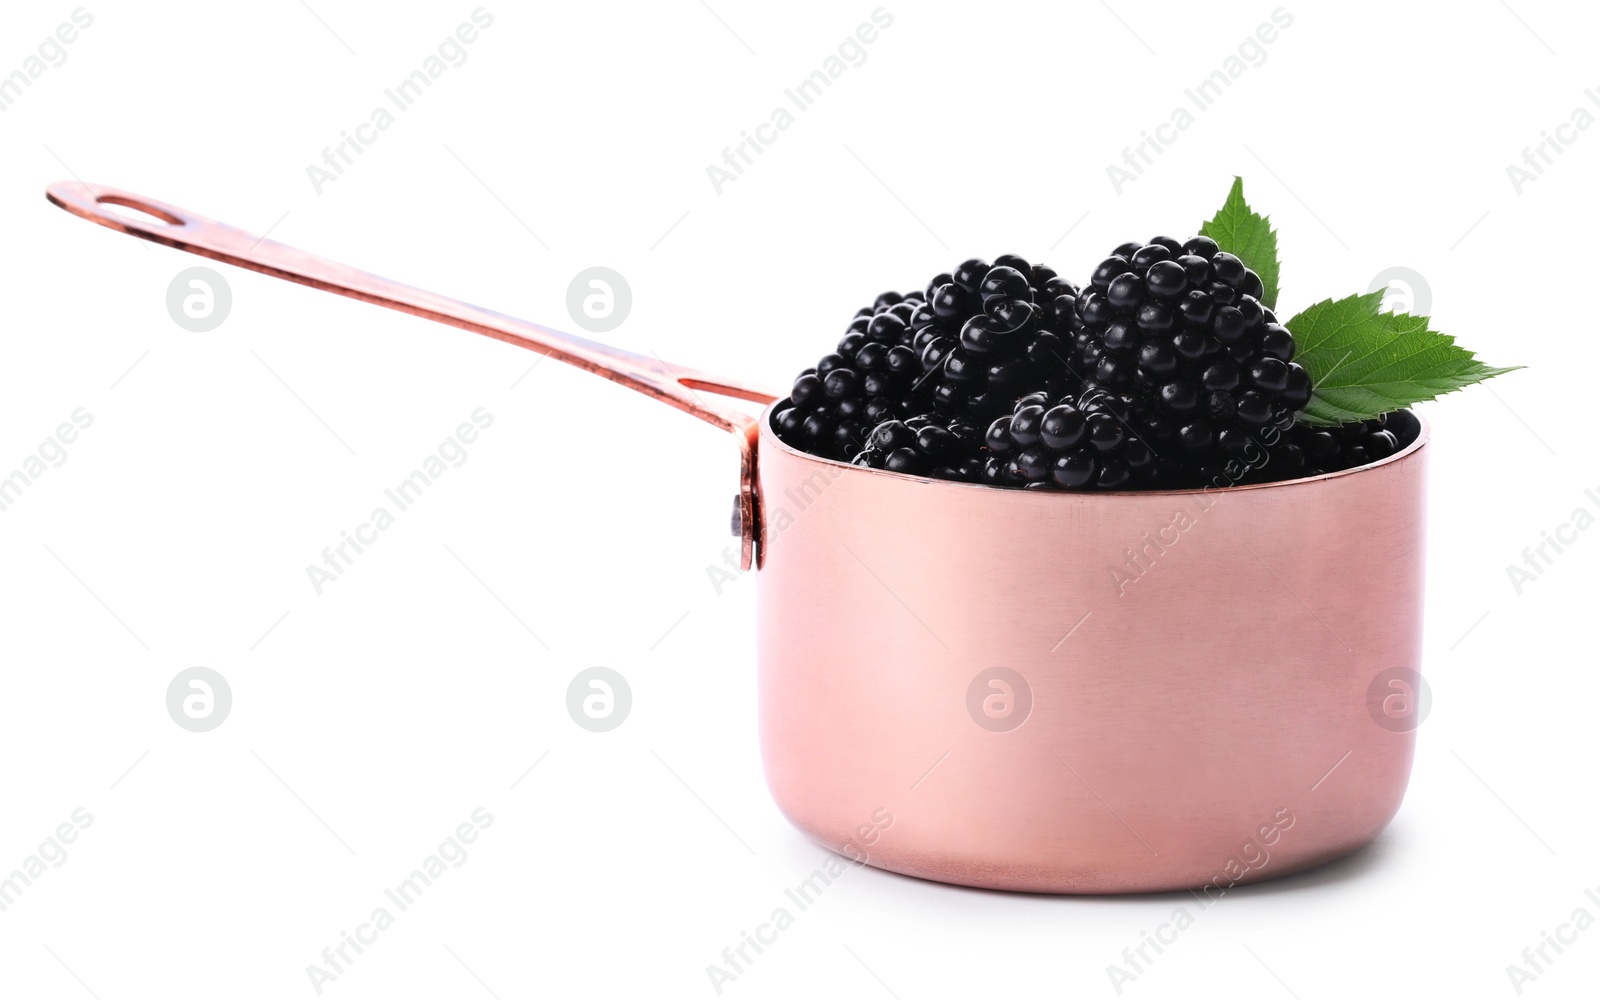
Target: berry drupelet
(1179, 331)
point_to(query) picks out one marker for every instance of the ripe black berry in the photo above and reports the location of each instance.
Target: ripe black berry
(1068, 441)
(1313, 451)
(927, 444)
(1178, 329)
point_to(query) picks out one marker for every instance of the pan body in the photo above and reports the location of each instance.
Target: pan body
(1089, 693)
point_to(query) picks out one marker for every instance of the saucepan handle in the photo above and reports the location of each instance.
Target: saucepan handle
(679, 387)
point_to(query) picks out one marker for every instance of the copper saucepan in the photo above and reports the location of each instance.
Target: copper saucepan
(1038, 691)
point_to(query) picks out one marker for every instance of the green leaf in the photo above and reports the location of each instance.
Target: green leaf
(1249, 237)
(1363, 362)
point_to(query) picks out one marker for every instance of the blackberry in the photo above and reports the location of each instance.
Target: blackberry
(1076, 441)
(867, 379)
(966, 347)
(926, 445)
(992, 336)
(1313, 451)
(1178, 331)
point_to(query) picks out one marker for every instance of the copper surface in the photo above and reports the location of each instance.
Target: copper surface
(671, 384)
(1198, 666)
(1175, 721)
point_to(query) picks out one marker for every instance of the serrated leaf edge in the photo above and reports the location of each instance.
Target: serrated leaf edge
(1237, 190)
(1315, 412)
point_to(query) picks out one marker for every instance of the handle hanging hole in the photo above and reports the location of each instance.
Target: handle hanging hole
(132, 211)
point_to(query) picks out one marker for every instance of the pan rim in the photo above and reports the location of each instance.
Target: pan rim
(770, 439)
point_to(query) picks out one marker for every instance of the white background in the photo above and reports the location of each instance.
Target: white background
(370, 720)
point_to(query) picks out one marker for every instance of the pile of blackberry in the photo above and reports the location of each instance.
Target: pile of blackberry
(1164, 372)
